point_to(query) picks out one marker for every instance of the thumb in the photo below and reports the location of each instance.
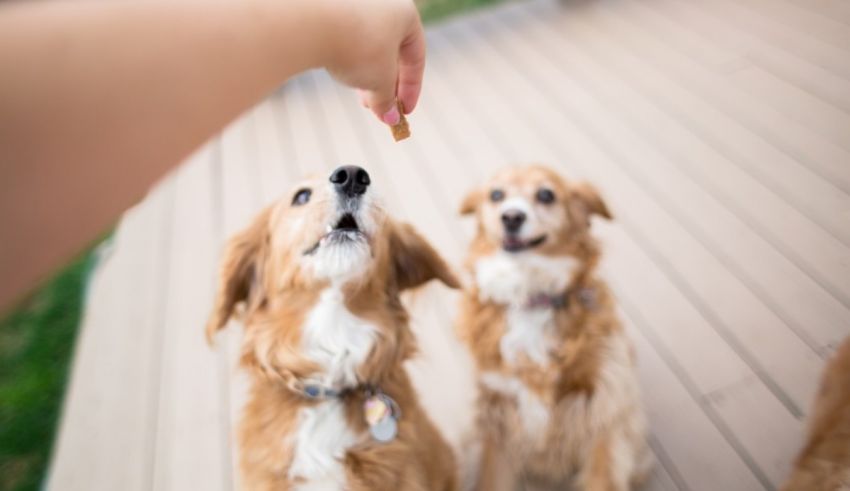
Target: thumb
(382, 101)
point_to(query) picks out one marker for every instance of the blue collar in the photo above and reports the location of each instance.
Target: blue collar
(321, 392)
(315, 391)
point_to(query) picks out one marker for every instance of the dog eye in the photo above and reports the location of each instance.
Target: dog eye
(301, 197)
(545, 196)
(497, 195)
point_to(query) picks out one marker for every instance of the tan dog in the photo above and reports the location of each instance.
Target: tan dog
(317, 277)
(558, 390)
(824, 463)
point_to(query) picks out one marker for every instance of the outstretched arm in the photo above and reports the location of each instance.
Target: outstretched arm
(98, 99)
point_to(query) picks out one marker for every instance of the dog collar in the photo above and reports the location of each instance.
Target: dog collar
(314, 391)
(380, 411)
(317, 391)
(585, 296)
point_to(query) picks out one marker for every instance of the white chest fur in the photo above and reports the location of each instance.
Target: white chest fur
(322, 438)
(336, 339)
(615, 397)
(534, 414)
(511, 279)
(339, 342)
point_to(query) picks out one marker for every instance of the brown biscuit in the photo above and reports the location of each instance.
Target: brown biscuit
(400, 130)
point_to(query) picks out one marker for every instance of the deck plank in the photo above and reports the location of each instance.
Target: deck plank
(797, 19)
(275, 148)
(108, 360)
(241, 198)
(810, 76)
(673, 413)
(191, 449)
(825, 55)
(274, 154)
(824, 118)
(774, 440)
(818, 199)
(792, 138)
(732, 187)
(723, 110)
(772, 127)
(310, 150)
(832, 9)
(242, 190)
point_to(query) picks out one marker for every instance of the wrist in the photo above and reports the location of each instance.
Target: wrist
(296, 32)
(332, 30)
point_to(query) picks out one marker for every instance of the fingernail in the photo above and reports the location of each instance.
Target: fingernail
(392, 117)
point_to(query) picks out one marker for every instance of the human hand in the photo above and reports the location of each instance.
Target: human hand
(378, 46)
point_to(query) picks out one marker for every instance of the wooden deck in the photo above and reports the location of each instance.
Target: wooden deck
(719, 131)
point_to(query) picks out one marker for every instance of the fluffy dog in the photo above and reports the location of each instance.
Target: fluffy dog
(824, 463)
(316, 280)
(558, 394)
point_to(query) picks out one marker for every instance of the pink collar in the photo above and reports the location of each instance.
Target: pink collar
(585, 296)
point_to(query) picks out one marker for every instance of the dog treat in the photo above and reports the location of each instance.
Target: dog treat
(400, 130)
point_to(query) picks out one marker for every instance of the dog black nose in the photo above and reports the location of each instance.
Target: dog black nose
(350, 180)
(513, 220)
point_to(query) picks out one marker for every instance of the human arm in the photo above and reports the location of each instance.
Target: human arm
(98, 99)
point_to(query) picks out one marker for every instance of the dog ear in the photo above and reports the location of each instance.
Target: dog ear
(239, 278)
(414, 260)
(470, 202)
(591, 201)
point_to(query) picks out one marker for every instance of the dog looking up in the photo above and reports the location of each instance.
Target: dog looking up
(316, 280)
(558, 394)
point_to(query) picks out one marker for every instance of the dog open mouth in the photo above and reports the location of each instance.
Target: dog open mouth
(345, 230)
(515, 244)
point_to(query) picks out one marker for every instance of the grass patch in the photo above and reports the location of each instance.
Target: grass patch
(432, 10)
(36, 342)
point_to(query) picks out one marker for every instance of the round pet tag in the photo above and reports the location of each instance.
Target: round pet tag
(384, 430)
(375, 410)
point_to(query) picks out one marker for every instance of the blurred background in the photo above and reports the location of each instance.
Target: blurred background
(718, 131)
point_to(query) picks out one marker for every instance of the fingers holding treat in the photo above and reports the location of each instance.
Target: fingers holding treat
(400, 130)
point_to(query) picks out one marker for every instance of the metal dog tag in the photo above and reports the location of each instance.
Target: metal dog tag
(382, 414)
(384, 430)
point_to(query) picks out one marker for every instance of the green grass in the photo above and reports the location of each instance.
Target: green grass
(36, 342)
(432, 10)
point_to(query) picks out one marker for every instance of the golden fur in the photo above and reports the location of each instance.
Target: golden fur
(824, 463)
(268, 284)
(590, 421)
